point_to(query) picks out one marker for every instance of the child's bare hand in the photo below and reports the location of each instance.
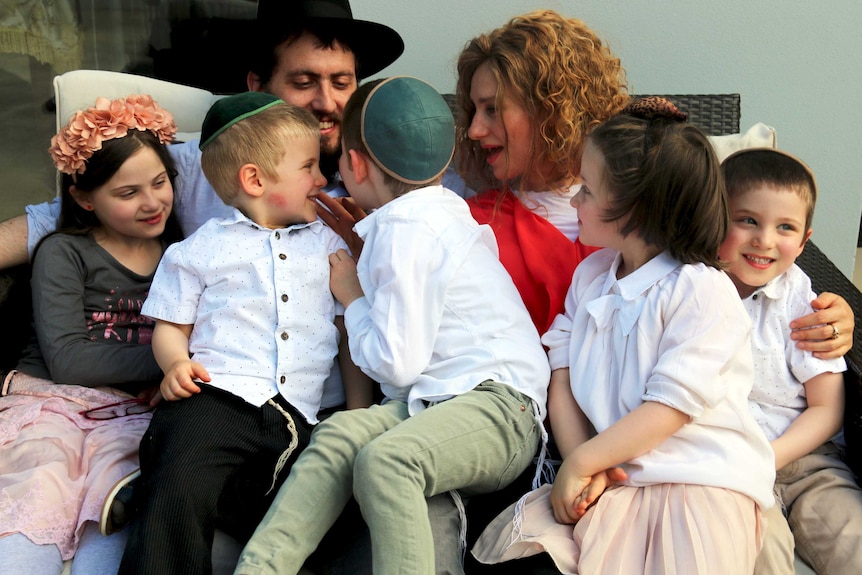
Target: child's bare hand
(567, 488)
(179, 383)
(343, 280)
(598, 484)
(151, 394)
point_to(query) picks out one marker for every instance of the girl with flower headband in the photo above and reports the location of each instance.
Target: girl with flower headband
(664, 469)
(64, 447)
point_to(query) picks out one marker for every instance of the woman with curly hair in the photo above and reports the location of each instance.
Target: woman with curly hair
(527, 95)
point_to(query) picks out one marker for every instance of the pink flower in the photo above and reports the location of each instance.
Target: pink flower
(107, 119)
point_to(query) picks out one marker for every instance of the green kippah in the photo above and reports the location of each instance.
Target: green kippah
(408, 129)
(229, 110)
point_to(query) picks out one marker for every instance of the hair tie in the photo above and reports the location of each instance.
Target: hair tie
(652, 107)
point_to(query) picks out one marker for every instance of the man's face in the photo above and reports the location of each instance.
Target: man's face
(316, 78)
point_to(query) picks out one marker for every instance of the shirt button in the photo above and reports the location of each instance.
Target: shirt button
(282, 256)
(284, 335)
(284, 297)
(283, 379)
(277, 235)
(754, 297)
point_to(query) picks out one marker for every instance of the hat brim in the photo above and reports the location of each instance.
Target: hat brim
(375, 45)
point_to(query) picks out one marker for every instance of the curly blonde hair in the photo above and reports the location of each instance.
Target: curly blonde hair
(559, 71)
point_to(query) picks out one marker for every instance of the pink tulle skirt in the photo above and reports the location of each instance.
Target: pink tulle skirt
(56, 466)
(671, 528)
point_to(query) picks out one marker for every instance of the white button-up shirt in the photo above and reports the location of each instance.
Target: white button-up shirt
(781, 368)
(440, 313)
(260, 306)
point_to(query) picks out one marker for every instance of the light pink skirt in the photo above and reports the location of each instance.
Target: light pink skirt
(670, 528)
(56, 466)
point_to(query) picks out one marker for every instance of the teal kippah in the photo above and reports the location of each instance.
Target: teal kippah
(229, 110)
(408, 129)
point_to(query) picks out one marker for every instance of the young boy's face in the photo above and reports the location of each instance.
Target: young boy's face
(291, 198)
(766, 235)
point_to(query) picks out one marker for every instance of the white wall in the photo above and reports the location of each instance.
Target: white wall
(796, 63)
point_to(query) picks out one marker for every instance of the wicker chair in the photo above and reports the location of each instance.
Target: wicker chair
(715, 114)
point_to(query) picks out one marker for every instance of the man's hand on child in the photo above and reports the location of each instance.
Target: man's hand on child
(828, 332)
(178, 382)
(341, 214)
(343, 280)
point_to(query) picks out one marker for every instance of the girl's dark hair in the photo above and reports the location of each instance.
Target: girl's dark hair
(101, 167)
(665, 179)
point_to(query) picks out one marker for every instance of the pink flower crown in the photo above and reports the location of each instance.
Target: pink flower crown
(108, 119)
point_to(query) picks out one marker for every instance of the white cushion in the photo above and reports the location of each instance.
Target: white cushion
(758, 136)
(79, 89)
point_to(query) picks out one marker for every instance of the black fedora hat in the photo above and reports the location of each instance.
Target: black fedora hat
(374, 45)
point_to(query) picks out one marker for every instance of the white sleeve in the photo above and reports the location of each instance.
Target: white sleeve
(41, 220)
(393, 330)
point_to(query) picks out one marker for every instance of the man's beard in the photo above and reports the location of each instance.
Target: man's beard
(329, 163)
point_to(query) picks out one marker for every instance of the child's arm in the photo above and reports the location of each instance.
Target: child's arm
(171, 348)
(571, 428)
(358, 387)
(60, 317)
(830, 309)
(821, 420)
(641, 430)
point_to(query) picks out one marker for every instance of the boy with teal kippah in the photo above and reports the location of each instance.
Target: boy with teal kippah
(246, 334)
(464, 379)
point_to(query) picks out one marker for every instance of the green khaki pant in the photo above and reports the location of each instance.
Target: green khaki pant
(477, 442)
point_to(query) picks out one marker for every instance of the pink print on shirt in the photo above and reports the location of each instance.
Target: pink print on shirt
(121, 320)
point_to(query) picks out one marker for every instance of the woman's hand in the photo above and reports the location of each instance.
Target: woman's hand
(341, 214)
(828, 332)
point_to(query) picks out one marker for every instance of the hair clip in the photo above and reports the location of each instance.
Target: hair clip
(652, 107)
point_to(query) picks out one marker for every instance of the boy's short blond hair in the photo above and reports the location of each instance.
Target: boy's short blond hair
(754, 167)
(260, 139)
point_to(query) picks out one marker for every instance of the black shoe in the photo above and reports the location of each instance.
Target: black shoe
(117, 508)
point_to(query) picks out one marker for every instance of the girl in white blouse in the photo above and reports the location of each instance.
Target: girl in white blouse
(651, 373)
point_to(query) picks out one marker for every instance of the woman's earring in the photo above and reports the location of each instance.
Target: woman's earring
(89, 207)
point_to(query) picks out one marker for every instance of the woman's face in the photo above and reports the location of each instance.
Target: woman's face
(505, 133)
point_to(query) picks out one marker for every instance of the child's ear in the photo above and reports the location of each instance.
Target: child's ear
(806, 238)
(81, 198)
(358, 164)
(251, 180)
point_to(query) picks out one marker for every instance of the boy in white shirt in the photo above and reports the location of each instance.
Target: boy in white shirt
(797, 399)
(246, 334)
(434, 317)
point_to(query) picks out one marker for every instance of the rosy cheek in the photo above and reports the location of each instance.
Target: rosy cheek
(275, 201)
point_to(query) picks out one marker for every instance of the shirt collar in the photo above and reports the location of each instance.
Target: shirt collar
(640, 280)
(775, 289)
(363, 226)
(237, 217)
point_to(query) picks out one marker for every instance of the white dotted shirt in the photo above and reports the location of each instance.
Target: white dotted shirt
(260, 305)
(781, 368)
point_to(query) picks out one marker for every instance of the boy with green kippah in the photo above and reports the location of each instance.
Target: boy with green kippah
(246, 334)
(464, 379)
